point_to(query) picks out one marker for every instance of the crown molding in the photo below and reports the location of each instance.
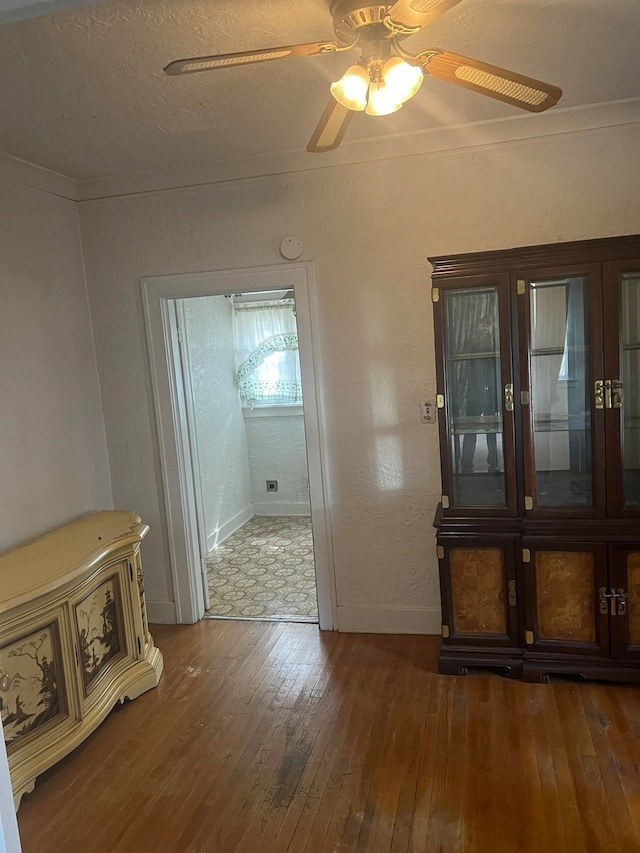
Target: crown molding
(36, 177)
(478, 134)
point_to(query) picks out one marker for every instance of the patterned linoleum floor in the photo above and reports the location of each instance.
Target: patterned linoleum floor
(265, 570)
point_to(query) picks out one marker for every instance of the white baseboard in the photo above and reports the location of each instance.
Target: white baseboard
(161, 612)
(282, 508)
(225, 530)
(358, 620)
(384, 620)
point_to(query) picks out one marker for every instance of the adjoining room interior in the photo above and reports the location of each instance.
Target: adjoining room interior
(406, 719)
(241, 369)
(265, 570)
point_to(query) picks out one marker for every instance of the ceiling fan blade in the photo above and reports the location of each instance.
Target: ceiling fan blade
(331, 128)
(500, 83)
(409, 16)
(247, 57)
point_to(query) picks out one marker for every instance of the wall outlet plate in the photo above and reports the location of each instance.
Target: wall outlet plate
(428, 411)
(272, 485)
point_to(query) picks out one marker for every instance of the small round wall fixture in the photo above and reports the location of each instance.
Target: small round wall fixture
(291, 248)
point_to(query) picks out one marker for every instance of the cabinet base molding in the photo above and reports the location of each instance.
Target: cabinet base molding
(540, 670)
(74, 638)
(454, 661)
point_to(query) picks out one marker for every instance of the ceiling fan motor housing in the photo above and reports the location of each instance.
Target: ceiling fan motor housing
(350, 17)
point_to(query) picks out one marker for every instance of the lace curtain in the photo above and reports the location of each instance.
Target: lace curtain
(268, 365)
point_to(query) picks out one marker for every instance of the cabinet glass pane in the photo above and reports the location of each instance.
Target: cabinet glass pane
(473, 392)
(630, 378)
(560, 392)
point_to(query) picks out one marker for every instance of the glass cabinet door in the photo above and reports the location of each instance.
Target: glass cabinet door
(475, 335)
(561, 435)
(621, 393)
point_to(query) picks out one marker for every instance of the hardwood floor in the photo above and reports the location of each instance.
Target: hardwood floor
(276, 738)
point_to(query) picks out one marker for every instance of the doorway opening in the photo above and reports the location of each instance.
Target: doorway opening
(180, 476)
(244, 401)
(265, 570)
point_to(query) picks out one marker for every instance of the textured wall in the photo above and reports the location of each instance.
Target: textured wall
(277, 451)
(53, 453)
(222, 442)
(368, 231)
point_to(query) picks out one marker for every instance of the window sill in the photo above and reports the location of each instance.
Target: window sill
(283, 410)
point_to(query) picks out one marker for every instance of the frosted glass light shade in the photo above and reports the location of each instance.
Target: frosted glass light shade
(351, 88)
(382, 100)
(402, 79)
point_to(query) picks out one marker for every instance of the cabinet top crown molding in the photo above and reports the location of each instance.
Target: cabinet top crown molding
(578, 251)
(48, 562)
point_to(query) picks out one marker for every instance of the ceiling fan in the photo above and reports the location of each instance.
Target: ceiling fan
(386, 76)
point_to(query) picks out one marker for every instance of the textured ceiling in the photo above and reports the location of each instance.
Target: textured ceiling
(83, 92)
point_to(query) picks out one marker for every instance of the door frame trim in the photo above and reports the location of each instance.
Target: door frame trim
(177, 478)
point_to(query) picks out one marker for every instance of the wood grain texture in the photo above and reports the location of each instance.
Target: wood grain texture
(478, 590)
(278, 738)
(565, 595)
(633, 602)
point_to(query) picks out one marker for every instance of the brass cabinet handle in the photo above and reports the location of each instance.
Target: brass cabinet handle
(618, 598)
(607, 394)
(616, 394)
(598, 394)
(508, 397)
(604, 603)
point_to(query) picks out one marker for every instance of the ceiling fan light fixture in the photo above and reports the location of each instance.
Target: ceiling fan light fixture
(385, 76)
(351, 89)
(382, 101)
(402, 79)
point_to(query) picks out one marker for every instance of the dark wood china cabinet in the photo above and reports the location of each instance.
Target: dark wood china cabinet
(538, 529)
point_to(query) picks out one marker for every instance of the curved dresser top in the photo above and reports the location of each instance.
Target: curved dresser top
(46, 563)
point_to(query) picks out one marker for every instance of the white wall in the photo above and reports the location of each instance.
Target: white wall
(368, 230)
(277, 451)
(53, 453)
(222, 441)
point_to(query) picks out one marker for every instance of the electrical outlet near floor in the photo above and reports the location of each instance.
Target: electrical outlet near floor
(272, 485)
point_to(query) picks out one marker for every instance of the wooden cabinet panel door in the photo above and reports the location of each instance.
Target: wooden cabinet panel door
(479, 595)
(624, 579)
(563, 611)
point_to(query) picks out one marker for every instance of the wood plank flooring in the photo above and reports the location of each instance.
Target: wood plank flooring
(277, 738)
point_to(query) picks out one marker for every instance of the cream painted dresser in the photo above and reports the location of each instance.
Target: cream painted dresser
(74, 638)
